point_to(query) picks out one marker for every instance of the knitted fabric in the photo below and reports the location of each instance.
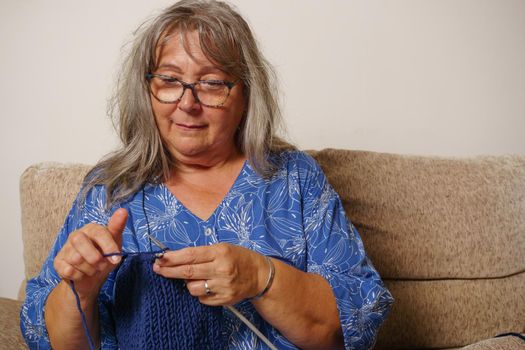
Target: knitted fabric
(153, 312)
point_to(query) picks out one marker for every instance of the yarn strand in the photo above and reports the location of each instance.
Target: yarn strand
(83, 316)
(77, 297)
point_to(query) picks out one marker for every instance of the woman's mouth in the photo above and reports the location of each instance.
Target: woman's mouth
(190, 126)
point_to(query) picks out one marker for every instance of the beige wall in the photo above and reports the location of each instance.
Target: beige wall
(444, 77)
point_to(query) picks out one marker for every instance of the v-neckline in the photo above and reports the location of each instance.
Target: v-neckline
(198, 218)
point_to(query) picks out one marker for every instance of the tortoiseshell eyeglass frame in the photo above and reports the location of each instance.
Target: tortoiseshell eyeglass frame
(190, 86)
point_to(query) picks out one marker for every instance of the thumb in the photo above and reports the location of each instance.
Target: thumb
(117, 223)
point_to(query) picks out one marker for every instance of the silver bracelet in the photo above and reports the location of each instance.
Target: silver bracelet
(268, 282)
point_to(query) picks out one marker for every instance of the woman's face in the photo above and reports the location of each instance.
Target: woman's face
(192, 132)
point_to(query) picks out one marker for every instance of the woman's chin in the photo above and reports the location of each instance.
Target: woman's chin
(190, 151)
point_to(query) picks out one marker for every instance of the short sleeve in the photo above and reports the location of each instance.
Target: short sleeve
(336, 252)
(32, 318)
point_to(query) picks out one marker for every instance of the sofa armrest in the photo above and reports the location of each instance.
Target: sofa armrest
(10, 334)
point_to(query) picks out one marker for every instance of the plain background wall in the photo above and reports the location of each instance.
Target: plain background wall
(440, 77)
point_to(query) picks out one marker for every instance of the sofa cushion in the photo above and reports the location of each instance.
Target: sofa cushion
(452, 313)
(10, 335)
(47, 191)
(428, 217)
(501, 343)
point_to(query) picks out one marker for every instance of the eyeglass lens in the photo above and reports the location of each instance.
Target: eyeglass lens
(210, 93)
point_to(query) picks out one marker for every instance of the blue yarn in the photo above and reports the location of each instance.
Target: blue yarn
(153, 312)
(83, 316)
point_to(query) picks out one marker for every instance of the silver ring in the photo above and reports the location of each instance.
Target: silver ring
(207, 289)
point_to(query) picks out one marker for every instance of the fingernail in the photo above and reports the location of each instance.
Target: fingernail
(156, 267)
(115, 259)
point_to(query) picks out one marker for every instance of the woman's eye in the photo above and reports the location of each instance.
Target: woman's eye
(170, 81)
(212, 84)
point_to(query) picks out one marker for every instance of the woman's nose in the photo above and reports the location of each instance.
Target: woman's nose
(188, 102)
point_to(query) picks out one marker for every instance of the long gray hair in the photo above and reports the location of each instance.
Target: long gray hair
(225, 39)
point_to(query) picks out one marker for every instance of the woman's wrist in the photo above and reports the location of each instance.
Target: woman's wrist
(268, 279)
(87, 299)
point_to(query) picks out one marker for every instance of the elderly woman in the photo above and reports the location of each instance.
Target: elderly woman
(248, 220)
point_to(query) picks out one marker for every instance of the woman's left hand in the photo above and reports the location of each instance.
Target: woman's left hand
(231, 273)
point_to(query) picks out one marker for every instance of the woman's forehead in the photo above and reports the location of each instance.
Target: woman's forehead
(179, 47)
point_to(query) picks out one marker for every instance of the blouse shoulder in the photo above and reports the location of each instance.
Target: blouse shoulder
(300, 170)
(299, 160)
(91, 206)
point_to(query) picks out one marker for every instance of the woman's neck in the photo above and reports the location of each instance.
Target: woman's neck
(207, 164)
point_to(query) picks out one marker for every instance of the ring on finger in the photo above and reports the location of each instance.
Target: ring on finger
(207, 289)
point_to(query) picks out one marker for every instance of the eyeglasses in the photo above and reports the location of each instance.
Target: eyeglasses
(210, 93)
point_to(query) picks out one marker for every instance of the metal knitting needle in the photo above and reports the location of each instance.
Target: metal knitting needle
(251, 326)
(159, 244)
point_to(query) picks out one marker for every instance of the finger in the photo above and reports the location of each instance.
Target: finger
(215, 300)
(197, 288)
(117, 223)
(187, 272)
(75, 259)
(188, 256)
(67, 271)
(217, 296)
(107, 244)
(83, 244)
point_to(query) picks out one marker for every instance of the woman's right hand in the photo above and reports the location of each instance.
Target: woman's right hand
(81, 258)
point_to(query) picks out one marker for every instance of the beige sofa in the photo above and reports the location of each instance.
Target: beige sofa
(447, 236)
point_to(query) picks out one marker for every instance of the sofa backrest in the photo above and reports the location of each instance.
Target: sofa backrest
(47, 191)
(446, 235)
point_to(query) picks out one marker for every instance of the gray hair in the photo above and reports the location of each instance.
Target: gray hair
(225, 39)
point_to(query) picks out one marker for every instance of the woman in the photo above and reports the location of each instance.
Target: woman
(247, 219)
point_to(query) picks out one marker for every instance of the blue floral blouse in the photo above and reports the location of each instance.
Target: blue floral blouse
(294, 216)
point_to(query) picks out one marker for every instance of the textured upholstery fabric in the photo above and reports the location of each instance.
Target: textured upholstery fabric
(452, 313)
(47, 191)
(503, 343)
(447, 235)
(425, 217)
(10, 336)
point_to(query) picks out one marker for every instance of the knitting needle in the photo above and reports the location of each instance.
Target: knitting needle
(251, 326)
(159, 244)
